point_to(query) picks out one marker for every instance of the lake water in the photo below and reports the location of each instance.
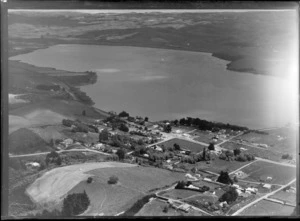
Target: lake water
(170, 84)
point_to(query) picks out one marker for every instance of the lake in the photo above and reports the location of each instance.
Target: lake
(170, 84)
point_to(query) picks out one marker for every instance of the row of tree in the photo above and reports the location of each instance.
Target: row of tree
(207, 125)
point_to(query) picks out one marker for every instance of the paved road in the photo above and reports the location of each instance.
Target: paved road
(261, 198)
(60, 151)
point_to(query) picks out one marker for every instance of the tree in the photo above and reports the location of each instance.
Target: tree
(75, 204)
(236, 151)
(180, 185)
(124, 128)
(175, 122)
(89, 180)
(123, 114)
(176, 146)
(146, 119)
(121, 154)
(241, 157)
(235, 179)
(194, 170)
(182, 121)
(83, 113)
(211, 146)
(167, 128)
(224, 178)
(166, 208)
(230, 196)
(103, 135)
(113, 180)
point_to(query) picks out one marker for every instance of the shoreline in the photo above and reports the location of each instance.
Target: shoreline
(86, 98)
(222, 56)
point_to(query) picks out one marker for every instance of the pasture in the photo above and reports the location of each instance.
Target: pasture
(267, 208)
(179, 194)
(155, 208)
(260, 170)
(289, 197)
(134, 182)
(184, 144)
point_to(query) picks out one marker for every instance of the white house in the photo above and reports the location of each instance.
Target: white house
(32, 165)
(267, 186)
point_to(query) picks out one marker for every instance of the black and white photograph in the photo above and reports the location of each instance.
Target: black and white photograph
(155, 109)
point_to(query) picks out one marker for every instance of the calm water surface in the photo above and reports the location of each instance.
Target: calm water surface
(170, 84)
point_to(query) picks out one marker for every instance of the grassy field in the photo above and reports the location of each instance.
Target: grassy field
(204, 136)
(155, 208)
(261, 170)
(134, 182)
(179, 193)
(202, 198)
(288, 197)
(194, 147)
(24, 141)
(267, 208)
(219, 165)
(281, 140)
(258, 152)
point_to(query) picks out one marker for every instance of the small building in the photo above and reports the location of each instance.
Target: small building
(146, 155)
(223, 204)
(269, 178)
(32, 165)
(267, 186)
(207, 179)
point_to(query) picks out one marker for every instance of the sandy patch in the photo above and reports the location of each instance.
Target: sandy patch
(55, 184)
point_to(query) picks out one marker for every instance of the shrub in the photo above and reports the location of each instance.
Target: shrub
(287, 156)
(89, 180)
(123, 128)
(75, 204)
(180, 185)
(113, 180)
(236, 151)
(211, 146)
(230, 196)
(224, 178)
(166, 208)
(223, 156)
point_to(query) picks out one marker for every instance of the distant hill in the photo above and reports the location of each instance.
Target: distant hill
(24, 141)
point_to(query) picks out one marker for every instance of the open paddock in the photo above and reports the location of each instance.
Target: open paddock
(260, 170)
(179, 194)
(267, 208)
(258, 152)
(155, 208)
(184, 144)
(288, 197)
(202, 198)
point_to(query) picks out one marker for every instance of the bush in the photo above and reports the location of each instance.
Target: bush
(180, 185)
(224, 178)
(113, 180)
(287, 156)
(230, 196)
(123, 128)
(89, 180)
(75, 204)
(166, 208)
(211, 146)
(236, 151)
(241, 158)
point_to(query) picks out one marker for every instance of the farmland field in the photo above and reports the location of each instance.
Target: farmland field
(134, 182)
(267, 208)
(204, 136)
(288, 197)
(260, 170)
(155, 208)
(219, 165)
(194, 147)
(179, 193)
(202, 198)
(258, 152)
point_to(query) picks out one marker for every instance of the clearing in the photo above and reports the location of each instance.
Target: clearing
(267, 208)
(184, 144)
(260, 170)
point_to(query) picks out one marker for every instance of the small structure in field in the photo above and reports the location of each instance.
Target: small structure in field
(32, 165)
(267, 186)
